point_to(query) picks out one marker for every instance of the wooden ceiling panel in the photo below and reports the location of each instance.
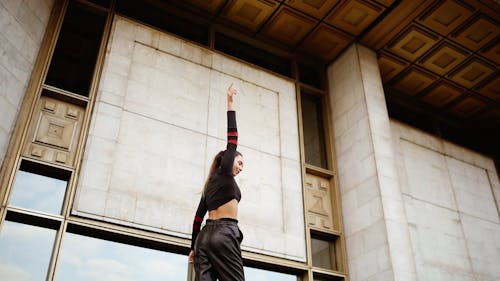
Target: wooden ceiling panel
(444, 58)
(390, 66)
(249, 14)
(209, 6)
(315, 8)
(354, 16)
(491, 89)
(414, 81)
(386, 3)
(393, 23)
(288, 26)
(413, 43)
(492, 52)
(446, 16)
(326, 42)
(477, 34)
(489, 118)
(467, 107)
(472, 73)
(442, 94)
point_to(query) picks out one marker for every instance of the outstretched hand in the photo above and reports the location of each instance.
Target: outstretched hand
(231, 92)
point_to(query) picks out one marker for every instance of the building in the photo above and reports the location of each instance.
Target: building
(369, 129)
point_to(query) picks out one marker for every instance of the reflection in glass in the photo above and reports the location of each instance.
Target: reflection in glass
(254, 274)
(38, 192)
(85, 258)
(318, 277)
(25, 251)
(323, 253)
(312, 126)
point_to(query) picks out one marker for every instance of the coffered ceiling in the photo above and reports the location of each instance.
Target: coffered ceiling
(438, 58)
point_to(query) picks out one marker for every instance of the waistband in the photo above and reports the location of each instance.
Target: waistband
(221, 221)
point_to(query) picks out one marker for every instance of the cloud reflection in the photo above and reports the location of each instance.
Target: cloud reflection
(86, 258)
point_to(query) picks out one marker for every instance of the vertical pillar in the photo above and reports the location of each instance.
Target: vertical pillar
(375, 224)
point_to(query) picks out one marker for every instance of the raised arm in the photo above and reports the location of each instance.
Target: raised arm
(232, 134)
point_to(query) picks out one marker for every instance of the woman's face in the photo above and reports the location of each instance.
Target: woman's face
(237, 165)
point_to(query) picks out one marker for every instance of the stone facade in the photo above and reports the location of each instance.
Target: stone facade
(160, 117)
(22, 26)
(415, 207)
(449, 196)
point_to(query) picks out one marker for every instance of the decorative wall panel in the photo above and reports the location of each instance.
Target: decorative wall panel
(354, 16)
(250, 14)
(414, 81)
(467, 107)
(319, 202)
(472, 73)
(53, 135)
(288, 26)
(446, 16)
(390, 66)
(492, 52)
(481, 31)
(413, 43)
(315, 8)
(442, 94)
(210, 6)
(444, 58)
(326, 42)
(491, 89)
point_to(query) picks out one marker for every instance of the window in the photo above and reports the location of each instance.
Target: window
(324, 251)
(75, 55)
(321, 277)
(313, 130)
(39, 188)
(87, 258)
(26, 251)
(254, 274)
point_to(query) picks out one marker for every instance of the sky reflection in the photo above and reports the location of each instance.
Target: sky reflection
(25, 251)
(37, 192)
(86, 258)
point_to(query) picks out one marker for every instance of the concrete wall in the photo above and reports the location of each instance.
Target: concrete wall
(451, 200)
(159, 119)
(414, 207)
(22, 26)
(375, 226)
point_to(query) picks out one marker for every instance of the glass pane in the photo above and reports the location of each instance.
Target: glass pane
(25, 251)
(254, 274)
(87, 258)
(76, 51)
(327, 278)
(323, 254)
(312, 123)
(38, 192)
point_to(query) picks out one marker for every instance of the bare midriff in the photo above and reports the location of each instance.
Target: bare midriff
(228, 210)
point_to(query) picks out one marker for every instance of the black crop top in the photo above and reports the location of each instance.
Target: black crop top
(221, 187)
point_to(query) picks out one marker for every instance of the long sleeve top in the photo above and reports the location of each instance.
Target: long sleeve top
(221, 187)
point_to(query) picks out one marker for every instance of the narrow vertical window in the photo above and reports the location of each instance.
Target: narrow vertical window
(313, 130)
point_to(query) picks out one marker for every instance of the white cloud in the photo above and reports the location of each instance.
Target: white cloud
(13, 272)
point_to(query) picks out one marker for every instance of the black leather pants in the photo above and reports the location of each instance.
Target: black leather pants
(218, 253)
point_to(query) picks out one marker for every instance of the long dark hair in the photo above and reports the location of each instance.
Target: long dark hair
(215, 164)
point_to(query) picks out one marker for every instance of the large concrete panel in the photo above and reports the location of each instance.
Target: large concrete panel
(159, 119)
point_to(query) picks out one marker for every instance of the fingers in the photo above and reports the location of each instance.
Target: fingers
(231, 91)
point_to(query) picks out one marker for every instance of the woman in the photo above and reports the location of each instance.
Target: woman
(216, 250)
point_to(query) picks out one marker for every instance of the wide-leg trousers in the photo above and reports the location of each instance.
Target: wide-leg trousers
(218, 253)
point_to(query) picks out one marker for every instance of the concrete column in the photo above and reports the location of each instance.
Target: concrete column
(375, 224)
(22, 26)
